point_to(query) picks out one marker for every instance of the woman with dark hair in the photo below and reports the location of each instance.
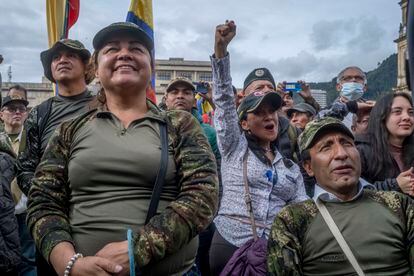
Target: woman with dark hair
(387, 149)
(252, 167)
(100, 172)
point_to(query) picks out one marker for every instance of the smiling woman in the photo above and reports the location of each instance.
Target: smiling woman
(387, 150)
(96, 179)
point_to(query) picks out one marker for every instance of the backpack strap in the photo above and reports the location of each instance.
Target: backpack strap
(159, 181)
(43, 113)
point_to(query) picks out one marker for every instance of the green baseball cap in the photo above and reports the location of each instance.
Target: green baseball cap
(64, 44)
(120, 28)
(309, 135)
(258, 74)
(251, 102)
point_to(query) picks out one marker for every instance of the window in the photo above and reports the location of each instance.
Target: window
(185, 74)
(164, 75)
(205, 76)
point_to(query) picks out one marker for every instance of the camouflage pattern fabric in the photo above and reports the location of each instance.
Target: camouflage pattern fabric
(6, 144)
(166, 233)
(30, 152)
(314, 127)
(291, 224)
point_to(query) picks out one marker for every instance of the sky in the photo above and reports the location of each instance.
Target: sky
(308, 40)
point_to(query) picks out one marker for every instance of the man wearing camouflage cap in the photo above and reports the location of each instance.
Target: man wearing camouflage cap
(376, 226)
(66, 64)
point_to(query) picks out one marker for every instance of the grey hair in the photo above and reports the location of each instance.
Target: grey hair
(341, 74)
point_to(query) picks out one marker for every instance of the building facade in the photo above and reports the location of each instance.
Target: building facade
(165, 71)
(168, 69)
(402, 49)
(320, 97)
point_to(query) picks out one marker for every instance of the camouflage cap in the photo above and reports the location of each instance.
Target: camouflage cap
(309, 135)
(258, 74)
(121, 28)
(64, 44)
(302, 108)
(180, 80)
(251, 102)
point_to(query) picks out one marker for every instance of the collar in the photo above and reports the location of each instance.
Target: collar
(329, 197)
(153, 112)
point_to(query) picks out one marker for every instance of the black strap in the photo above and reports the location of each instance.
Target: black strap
(159, 182)
(43, 113)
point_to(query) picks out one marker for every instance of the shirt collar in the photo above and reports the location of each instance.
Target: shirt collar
(329, 197)
(153, 112)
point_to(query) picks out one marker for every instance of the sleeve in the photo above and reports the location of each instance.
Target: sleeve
(389, 184)
(225, 115)
(47, 210)
(196, 204)
(29, 153)
(300, 191)
(337, 110)
(311, 101)
(408, 205)
(283, 248)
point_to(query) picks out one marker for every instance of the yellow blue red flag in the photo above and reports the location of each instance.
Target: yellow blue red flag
(140, 13)
(61, 15)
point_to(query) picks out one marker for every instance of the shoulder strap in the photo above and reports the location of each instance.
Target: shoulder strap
(43, 113)
(159, 181)
(247, 197)
(338, 236)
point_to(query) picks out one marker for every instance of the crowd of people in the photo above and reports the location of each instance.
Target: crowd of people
(213, 182)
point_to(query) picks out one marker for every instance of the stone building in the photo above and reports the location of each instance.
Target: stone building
(402, 49)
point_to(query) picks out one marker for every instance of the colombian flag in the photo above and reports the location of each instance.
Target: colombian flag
(140, 13)
(61, 15)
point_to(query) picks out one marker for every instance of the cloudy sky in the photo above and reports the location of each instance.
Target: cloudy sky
(296, 39)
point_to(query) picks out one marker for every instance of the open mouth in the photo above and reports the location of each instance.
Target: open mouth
(269, 127)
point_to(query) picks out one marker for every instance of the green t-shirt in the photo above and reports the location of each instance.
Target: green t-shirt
(378, 227)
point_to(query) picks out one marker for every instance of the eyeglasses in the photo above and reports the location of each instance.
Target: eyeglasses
(14, 109)
(351, 78)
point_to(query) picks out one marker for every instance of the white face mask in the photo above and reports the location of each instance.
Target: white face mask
(352, 90)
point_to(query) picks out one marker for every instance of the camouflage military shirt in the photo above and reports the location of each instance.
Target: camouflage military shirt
(378, 227)
(187, 215)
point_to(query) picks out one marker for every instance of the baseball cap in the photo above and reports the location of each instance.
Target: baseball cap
(253, 101)
(120, 28)
(180, 80)
(309, 135)
(303, 108)
(68, 44)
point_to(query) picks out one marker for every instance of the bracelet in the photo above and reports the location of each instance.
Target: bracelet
(132, 271)
(71, 263)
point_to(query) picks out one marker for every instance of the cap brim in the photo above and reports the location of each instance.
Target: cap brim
(25, 102)
(172, 85)
(47, 56)
(272, 98)
(332, 126)
(106, 33)
(290, 111)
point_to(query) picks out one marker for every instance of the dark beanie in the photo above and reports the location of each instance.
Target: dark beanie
(259, 74)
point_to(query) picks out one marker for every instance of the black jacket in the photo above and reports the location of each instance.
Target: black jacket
(9, 234)
(387, 180)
